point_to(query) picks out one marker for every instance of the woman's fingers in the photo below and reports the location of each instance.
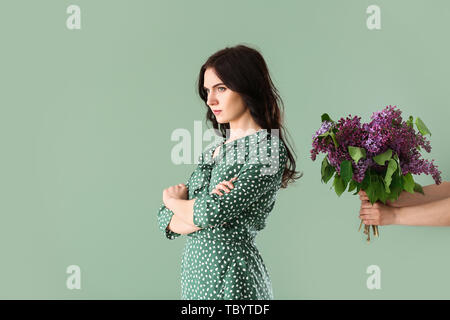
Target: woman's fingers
(219, 189)
(221, 186)
(225, 186)
(229, 184)
(216, 191)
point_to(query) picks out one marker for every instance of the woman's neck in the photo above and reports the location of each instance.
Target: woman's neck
(238, 132)
(243, 126)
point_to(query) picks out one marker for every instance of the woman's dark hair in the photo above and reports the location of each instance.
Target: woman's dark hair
(243, 70)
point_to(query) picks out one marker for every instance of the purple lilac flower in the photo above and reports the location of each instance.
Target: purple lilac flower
(359, 170)
(415, 165)
(320, 146)
(386, 131)
(326, 125)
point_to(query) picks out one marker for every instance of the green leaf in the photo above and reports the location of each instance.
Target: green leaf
(368, 186)
(333, 136)
(346, 172)
(352, 186)
(329, 173)
(375, 187)
(392, 167)
(422, 127)
(408, 182)
(326, 117)
(410, 121)
(357, 153)
(324, 166)
(382, 158)
(395, 157)
(338, 185)
(380, 189)
(371, 192)
(418, 188)
(396, 187)
(366, 180)
(327, 170)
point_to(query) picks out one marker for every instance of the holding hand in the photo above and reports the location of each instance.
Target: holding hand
(179, 191)
(376, 214)
(225, 186)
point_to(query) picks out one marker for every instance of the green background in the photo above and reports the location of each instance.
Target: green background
(87, 115)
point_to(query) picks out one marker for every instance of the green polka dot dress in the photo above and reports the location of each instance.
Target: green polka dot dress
(221, 261)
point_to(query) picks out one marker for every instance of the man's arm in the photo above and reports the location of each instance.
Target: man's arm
(436, 213)
(433, 192)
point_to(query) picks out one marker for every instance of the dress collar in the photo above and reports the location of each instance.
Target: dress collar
(207, 160)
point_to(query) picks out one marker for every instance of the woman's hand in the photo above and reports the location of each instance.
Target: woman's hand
(376, 214)
(225, 186)
(179, 191)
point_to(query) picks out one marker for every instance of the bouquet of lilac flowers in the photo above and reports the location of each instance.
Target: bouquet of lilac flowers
(379, 157)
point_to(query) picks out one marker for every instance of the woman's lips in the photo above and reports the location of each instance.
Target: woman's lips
(216, 112)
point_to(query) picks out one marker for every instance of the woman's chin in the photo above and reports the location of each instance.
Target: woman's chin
(221, 121)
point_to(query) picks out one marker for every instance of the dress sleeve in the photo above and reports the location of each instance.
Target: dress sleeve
(164, 217)
(197, 183)
(253, 181)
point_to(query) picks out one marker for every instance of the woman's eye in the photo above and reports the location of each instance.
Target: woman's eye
(207, 90)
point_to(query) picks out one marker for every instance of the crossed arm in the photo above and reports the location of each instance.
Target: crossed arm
(182, 221)
(213, 209)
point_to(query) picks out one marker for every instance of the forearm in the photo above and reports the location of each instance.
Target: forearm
(436, 213)
(433, 192)
(183, 209)
(179, 226)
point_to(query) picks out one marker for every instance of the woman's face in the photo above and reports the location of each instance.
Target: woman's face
(223, 99)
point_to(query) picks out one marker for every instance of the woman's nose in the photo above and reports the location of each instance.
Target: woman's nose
(212, 100)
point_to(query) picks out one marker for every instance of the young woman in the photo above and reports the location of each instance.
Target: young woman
(431, 209)
(228, 197)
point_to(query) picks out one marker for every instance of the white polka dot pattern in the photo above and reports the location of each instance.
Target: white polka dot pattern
(221, 261)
